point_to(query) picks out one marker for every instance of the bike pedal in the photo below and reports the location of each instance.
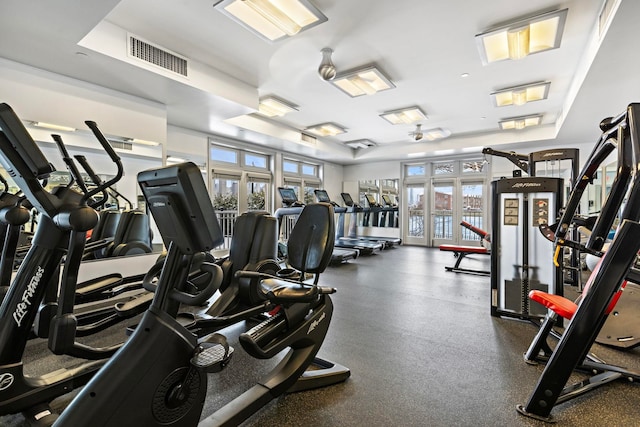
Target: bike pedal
(212, 357)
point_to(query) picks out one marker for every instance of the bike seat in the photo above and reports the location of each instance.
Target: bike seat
(282, 291)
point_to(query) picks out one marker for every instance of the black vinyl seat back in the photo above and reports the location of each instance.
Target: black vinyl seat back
(107, 225)
(311, 241)
(255, 238)
(133, 235)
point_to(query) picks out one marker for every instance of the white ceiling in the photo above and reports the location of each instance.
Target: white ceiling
(422, 45)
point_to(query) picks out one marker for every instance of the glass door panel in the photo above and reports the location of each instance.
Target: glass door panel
(472, 196)
(442, 213)
(414, 229)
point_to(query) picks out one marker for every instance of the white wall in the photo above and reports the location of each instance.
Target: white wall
(43, 96)
(333, 178)
(37, 95)
(372, 170)
(187, 143)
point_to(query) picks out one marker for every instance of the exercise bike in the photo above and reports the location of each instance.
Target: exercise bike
(159, 378)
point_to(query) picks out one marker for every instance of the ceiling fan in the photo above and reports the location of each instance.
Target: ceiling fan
(417, 134)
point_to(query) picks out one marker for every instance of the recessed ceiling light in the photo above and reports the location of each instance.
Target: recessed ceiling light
(522, 38)
(143, 142)
(174, 160)
(326, 129)
(272, 106)
(53, 126)
(464, 75)
(363, 81)
(405, 116)
(519, 123)
(272, 19)
(520, 95)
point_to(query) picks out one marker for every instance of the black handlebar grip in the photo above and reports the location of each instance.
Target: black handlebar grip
(63, 149)
(250, 274)
(105, 144)
(88, 169)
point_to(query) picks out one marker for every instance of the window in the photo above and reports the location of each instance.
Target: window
(256, 160)
(415, 170)
(472, 167)
(309, 191)
(308, 169)
(443, 168)
(303, 177)
(289, 166)
(257, 192)
(225, 190)
(223, 154)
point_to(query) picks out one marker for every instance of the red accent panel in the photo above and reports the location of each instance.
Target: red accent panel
(464, 249)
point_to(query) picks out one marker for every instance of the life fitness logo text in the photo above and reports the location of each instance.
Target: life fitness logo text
(6, 380)
(315, 323)
(27, 296)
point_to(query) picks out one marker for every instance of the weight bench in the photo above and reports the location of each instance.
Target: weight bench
(460, 252)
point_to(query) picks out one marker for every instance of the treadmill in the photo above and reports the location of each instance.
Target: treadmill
(375, 208)
(365, 246)
(393, 213)
(293, 207)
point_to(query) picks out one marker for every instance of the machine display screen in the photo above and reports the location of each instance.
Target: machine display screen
(288, 195)
(322, 196)
(347, 199)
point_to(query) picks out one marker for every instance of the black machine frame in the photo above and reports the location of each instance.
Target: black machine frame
(528, 163)
(157, 377)
(616, 266)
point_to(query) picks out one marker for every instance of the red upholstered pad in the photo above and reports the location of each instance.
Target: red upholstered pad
(465, 249)
(480, 232)
(565, 307)
(562, 306)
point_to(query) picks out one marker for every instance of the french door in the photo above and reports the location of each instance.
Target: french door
(453, 201)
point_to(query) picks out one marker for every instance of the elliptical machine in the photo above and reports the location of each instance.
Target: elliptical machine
(158, 377)
(65, 219)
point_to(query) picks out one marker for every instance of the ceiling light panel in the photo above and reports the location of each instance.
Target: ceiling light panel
(52, 126)
(522, 38)
(436, 133)
(273, 20)
(404, 116)
(326, 129)
(364, 81)
(519, 123)
(272, 106)
(520, 95)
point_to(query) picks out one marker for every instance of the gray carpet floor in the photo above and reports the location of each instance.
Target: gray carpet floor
(423, 351)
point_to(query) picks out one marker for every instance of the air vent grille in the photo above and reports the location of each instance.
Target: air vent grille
(360, 143)
(157, 56)
(121, 144)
